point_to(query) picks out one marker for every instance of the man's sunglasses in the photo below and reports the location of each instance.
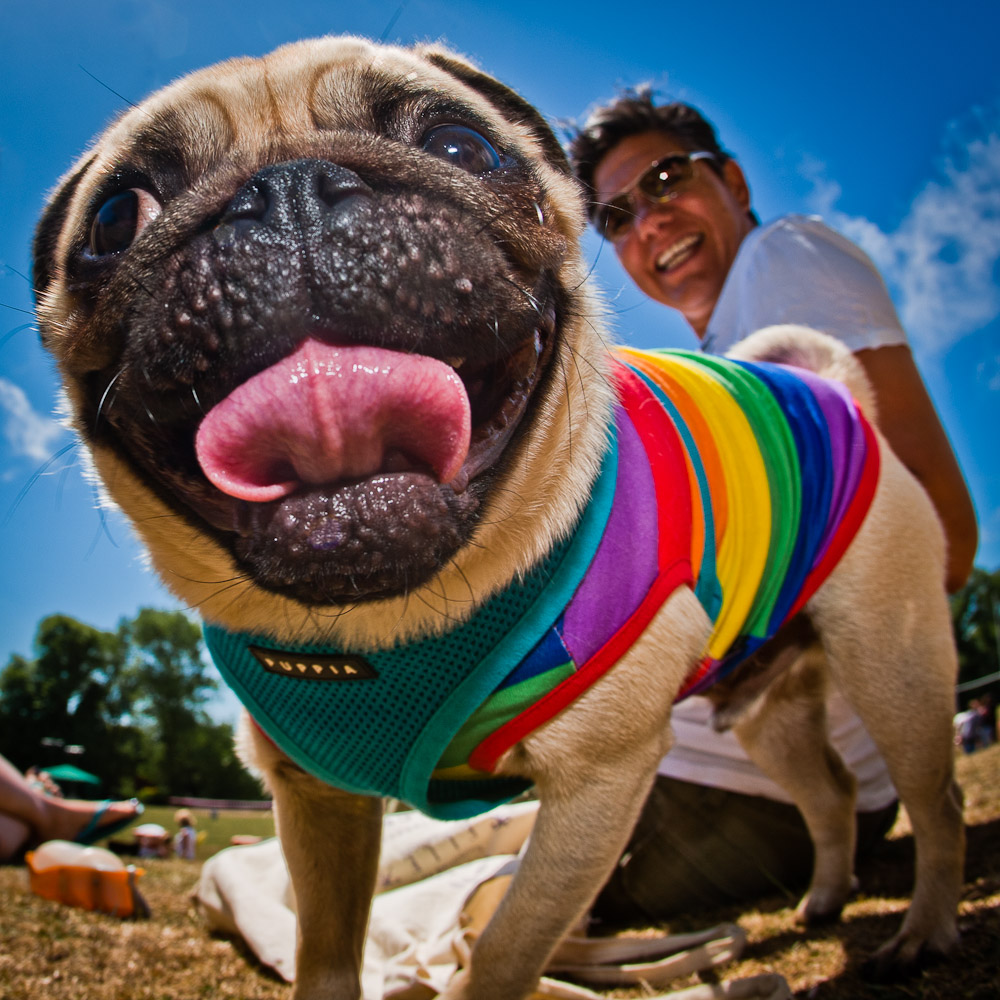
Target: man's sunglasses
(661, 183)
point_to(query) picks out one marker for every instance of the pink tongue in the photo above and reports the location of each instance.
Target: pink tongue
(329, 413)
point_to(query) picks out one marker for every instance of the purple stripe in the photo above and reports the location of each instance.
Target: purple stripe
(625, 565)
(847, 447)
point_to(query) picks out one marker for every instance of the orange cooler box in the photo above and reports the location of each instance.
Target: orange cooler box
(114, 892)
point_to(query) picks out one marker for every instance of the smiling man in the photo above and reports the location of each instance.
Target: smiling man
(677, 209)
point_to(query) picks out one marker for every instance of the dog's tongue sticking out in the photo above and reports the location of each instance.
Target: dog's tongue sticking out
(329, 413)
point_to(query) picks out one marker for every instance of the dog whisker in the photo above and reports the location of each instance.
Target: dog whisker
(104, 396)
(443, 613)
(535, 304)
(468, 585)
(35, 476)
(17, 329)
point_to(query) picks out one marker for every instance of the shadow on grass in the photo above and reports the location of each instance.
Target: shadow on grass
(248, 955)
(973, 973)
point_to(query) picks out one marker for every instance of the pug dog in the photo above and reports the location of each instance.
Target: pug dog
(325, 329)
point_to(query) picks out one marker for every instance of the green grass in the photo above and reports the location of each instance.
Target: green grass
(214, 828)
(53, 952)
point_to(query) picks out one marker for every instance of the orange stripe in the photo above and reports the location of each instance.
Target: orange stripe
(702, 434)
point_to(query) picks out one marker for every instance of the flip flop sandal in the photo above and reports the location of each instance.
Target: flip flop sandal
(656, 960)
(94, 831)
(625, 961)
(769, 986)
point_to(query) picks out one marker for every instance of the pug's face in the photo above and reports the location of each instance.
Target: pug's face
(307, 310)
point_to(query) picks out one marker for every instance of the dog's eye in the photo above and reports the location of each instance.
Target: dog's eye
(462, 147)
(120, 220)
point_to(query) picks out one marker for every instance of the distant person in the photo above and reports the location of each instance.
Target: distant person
(967, 726)
(185, 840)
(677, 209)
(29, 815)
(152, 841)
(987, 721)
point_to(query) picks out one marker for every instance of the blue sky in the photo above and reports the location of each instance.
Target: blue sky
(882, 117)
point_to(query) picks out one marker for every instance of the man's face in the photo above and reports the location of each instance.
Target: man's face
(678, 252)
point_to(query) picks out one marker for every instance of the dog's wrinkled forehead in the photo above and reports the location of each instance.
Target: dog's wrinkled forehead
(243, 112)
(210, 131)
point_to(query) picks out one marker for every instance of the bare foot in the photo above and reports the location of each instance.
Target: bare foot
(70, 819)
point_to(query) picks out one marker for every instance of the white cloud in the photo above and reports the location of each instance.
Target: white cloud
(988, 372)
(942, 261)
(26, 431)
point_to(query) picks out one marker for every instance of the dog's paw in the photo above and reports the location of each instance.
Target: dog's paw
(823, 904)
(908, 953)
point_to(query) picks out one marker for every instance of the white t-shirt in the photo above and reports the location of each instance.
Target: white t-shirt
(704, 757)
(798, 270)
(793, 270)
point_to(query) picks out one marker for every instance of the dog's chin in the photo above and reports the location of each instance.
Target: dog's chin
(376, 538)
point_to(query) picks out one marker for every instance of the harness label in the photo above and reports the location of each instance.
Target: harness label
(313, 667)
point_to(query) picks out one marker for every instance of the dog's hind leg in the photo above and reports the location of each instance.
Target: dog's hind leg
(785, 735)
(330, 840)
(886, 628)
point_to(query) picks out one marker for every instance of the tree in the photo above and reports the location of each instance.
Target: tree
(169, 683)
(73, 692)
(134, 699)
(976, 617)
(215, 770)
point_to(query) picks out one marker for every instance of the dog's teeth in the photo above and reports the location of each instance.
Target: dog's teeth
(454, 362)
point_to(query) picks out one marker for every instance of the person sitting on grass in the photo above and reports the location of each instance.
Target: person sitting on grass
(29, 816)
(185, 840)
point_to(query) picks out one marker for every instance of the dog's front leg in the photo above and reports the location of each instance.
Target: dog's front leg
(593, 766)
(330, 839)
(578, 836)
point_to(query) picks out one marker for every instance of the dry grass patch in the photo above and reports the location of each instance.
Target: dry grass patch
(52, 952)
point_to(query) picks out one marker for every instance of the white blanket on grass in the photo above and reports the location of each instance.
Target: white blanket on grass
(427, 871)
(417, 939)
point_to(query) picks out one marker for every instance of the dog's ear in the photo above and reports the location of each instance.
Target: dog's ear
(513, 107)
(47, 231)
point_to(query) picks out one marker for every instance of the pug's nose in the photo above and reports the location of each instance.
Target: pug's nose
(299, 194)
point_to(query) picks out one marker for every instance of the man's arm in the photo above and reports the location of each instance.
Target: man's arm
(907, 418)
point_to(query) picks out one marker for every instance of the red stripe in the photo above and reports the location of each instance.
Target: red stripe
(666, 456)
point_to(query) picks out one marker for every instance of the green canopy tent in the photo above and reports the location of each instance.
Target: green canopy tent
(70, 772)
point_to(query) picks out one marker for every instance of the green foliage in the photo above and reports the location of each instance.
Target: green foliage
(976, 616)
(71, 692)
(169, 685)
(134, 699)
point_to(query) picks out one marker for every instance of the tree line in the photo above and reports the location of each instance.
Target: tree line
(126, 705)
(134, 699)
(975, 612)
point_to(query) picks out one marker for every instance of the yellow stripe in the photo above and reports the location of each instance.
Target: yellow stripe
(744, 547)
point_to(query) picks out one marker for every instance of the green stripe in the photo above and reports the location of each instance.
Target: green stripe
(781, 464)
(499, 709)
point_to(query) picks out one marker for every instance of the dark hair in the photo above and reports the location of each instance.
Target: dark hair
(632, 113)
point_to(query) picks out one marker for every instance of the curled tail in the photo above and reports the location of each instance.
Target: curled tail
(804, 347)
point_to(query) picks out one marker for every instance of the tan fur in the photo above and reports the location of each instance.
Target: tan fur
(882, 616)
